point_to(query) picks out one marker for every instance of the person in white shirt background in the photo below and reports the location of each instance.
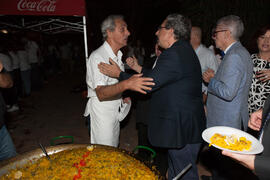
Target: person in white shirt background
(25, 69)
(9, 94)
(65, 51)
(206, 57)
(33, 53)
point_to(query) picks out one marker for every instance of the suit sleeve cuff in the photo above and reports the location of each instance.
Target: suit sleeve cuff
(261, 167)
(123, 76)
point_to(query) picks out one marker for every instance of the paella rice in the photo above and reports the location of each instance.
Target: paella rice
(231, 142)
(84, 163)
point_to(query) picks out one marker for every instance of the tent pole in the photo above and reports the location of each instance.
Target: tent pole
(85, 38)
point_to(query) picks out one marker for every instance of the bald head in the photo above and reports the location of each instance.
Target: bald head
(197, 32)
(195, 36)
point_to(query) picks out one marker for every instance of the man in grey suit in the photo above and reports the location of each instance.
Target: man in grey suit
(228, 88)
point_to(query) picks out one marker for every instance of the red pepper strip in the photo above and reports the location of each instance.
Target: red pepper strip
(86, 154)
(76, 165)
(78, 176)
(82, 163)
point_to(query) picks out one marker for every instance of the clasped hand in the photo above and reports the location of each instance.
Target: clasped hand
(263, 75)
(132, 62)
(208, 75)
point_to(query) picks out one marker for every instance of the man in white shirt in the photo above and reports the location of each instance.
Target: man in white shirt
(33, 53)
(25, 69)
(105, 105)
(16, 79)
(206, 57)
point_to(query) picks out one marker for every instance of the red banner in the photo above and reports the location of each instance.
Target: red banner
(43, 7)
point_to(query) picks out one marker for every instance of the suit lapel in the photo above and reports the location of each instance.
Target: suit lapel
(266, 109)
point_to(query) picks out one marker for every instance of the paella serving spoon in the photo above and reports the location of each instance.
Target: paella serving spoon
(182, 172)
(45, 152)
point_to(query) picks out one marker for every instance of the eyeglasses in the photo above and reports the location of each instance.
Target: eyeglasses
(214, 34)
(264, 38)
(160, 27)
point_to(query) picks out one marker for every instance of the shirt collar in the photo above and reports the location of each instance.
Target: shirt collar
(227, 49)
(110, 51)
(198, 48)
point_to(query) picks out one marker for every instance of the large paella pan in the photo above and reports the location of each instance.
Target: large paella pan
(78, 161)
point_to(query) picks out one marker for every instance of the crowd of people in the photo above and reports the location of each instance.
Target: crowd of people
(181, 90)
(26, 64)
(185, 90)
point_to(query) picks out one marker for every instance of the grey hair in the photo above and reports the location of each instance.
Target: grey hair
(109, 24)
(181, 26)
(234, 24)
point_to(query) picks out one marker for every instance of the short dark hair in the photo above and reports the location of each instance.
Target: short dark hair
(261, 31)
(181, 26)
(253, 45)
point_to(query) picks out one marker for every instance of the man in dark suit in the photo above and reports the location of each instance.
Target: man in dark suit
(259, 164)
(142, 108)
(176, 118)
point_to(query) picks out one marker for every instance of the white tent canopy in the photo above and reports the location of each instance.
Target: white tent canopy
(47, 16)
(48, 25)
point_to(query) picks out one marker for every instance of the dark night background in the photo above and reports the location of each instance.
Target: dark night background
(144, 16)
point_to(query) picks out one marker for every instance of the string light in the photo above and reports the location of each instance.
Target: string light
(4, 31)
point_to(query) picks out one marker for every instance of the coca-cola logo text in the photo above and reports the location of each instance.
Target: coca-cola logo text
(37, 5)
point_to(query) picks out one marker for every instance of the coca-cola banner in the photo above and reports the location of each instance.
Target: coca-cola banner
(42, 7)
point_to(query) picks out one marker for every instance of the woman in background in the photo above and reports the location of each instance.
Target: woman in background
(260, 87)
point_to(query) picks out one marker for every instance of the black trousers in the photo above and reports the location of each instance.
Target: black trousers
(180, 158)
